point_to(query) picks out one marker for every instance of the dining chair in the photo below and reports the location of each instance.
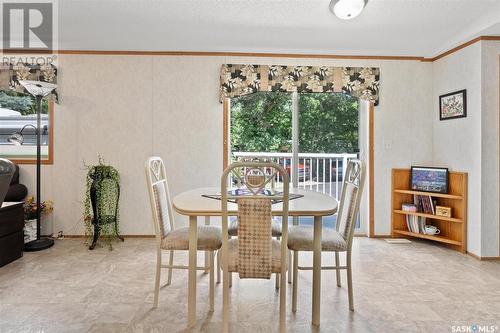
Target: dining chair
(275, 223)
(255, 254)
(300, 238)
(168, 236)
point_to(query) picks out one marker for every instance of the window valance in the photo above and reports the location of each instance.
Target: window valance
(239, 80)
(11, 74)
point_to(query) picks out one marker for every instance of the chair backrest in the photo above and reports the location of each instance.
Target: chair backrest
(256, 178)
(254, 195)
(159, 196)
(350, 199)
(7, 170)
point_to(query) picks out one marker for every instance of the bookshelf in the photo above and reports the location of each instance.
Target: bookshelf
(453, 229)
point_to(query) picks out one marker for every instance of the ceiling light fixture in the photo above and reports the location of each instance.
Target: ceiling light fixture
(347, 9)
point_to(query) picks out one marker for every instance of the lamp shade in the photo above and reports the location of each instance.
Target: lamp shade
(16, 138)
(347, 9)
(38, 88)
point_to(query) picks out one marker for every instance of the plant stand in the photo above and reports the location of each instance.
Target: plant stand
(104, 197)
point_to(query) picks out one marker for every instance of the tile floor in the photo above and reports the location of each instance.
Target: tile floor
(417, 287)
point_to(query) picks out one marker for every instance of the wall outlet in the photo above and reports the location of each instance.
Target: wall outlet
(387, 144)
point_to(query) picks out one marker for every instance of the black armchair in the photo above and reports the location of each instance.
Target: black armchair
(16, 192)
(11, 215)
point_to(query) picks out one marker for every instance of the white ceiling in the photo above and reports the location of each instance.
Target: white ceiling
(386, 27)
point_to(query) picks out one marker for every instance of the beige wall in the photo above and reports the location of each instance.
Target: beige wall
(471, 144)
(490, 56)
(457, 142)
(129, 107)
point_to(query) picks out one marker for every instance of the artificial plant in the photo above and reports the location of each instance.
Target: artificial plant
(106, 195)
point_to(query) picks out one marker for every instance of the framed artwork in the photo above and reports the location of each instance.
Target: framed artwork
(453, 105)
(429, 179)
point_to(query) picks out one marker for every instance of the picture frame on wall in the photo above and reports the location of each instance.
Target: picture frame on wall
(429, 179)
(453, 105)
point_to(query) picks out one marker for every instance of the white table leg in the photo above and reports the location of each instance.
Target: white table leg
(193, 247)
(316, 293)
(207, 253)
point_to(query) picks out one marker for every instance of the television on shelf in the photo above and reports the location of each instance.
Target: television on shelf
(429, 179)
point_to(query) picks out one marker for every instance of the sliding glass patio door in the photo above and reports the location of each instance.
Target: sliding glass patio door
(311, 135)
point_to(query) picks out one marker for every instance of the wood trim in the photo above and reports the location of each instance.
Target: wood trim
(51, 133)
(465, 185)
(371, 172)
(50, 159)
(490, 259)
(475, 256)
(235, 54)
(225, 135)
(255, 54)
(28, 51)
(455, 49)
(461, 46)
(125, 236)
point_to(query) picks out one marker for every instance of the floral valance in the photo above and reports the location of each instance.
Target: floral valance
(11, 74)
(239, 80)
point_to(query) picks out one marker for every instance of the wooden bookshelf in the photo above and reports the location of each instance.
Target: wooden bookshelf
(436, 195)
(453, 229)
(429, 216)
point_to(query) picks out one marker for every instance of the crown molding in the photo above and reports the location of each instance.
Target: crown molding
(256, 54)
(461, 46)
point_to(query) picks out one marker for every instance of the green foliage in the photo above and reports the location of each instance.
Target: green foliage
(262, 122)
(328, 123)
(23, 103)
(106, 198)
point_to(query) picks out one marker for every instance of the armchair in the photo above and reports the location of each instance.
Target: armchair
(16, 192)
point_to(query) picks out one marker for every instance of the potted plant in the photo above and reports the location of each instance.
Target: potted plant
(101, 204)
(46, 208)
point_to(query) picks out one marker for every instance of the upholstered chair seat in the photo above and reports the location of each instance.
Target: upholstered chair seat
(234, 257)
(300, 238)
(209, 239)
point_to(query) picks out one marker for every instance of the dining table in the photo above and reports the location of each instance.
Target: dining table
(195, 203)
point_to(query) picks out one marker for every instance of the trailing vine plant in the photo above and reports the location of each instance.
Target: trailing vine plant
(106, 201)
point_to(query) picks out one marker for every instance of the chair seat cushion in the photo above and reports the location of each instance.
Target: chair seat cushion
(300, 238)
(275, 256)
(209, 239)
(232, 230)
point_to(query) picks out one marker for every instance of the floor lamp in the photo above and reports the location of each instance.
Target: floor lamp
(39, 90)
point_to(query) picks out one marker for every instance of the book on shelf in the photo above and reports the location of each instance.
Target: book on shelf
(425, 204)
(414, 223)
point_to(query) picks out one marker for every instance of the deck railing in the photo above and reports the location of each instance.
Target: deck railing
(318, 172)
